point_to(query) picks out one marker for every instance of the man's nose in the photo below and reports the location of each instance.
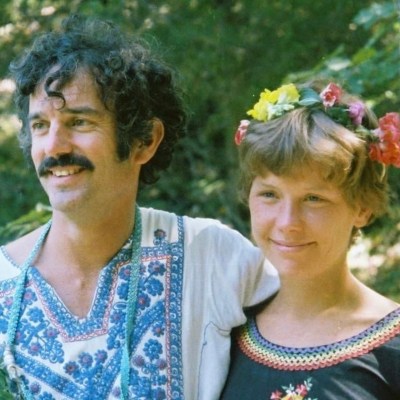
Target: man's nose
(58, 140)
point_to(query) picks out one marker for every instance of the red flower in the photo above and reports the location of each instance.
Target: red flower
(387, 153)
(241, 131)
(331, 95)
(389, 124)
(387, 149)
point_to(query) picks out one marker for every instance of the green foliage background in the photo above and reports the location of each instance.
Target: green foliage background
(226, 52)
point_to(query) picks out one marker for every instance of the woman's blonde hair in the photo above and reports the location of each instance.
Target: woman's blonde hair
(307, 136)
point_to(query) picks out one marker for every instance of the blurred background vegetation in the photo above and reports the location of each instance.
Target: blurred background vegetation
(226, 52)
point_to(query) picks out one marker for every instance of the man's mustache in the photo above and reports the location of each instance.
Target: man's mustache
(64, 160)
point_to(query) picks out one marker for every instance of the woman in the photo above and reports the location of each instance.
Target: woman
(313, 169)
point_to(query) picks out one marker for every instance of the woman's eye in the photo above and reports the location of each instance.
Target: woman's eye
(269, 195)
(314, 198)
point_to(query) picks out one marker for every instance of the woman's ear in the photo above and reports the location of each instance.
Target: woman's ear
(144, 151)
(363, 217)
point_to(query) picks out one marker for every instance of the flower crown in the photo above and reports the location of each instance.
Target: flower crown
(383, 142)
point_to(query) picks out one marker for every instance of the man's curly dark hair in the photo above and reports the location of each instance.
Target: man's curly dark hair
(133, 83)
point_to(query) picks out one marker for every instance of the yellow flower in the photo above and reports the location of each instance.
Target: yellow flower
(287, 94)
(274, 103)
(260, 109)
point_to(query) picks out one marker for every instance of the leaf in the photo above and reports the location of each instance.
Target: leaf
(309, 97)
(338, 63)
(5, 393)
(376, 12)
(363, 55)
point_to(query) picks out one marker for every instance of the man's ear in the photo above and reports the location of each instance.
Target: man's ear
(145, 151)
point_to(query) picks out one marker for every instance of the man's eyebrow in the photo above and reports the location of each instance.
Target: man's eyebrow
(33, 116)
(81, 110)
(67, 110)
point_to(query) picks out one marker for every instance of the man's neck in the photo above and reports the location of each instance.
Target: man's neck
(73, 255)
(85, 245)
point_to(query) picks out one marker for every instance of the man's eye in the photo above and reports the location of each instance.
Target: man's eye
(79, 122)
(37, 126)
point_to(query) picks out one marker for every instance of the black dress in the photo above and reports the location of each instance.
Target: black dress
(363, 367)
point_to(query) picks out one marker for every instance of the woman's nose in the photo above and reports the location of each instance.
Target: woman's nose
(289, 216)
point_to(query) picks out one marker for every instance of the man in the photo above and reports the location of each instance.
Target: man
(110, 300)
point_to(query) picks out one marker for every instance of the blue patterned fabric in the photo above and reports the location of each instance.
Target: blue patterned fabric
(80, 357)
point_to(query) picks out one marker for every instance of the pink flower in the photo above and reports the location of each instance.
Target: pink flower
(277, 395)
(331, 95)
(356, 112)
(241, 131)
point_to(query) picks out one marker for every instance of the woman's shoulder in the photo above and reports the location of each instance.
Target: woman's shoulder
(376, 306)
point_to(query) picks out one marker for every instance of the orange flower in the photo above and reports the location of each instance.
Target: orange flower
(387, 153)
(387, 148)
(389, 124)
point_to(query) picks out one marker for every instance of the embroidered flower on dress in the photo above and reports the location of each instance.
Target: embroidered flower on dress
(277, 395)
(160, 237)
(291, 393)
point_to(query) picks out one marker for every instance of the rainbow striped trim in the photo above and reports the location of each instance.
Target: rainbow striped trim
(264, 352)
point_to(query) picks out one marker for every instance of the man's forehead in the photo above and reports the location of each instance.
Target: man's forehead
(79, 83)
(78, 89)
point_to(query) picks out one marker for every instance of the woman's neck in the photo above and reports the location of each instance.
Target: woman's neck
(315, 295)
(318, 312)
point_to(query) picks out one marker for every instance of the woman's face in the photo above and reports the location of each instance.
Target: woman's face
(302, 222)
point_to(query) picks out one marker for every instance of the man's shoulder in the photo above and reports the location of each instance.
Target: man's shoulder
(219, 240)
(198, 229)
(13, 254)
(189, 222)
(18, 250)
